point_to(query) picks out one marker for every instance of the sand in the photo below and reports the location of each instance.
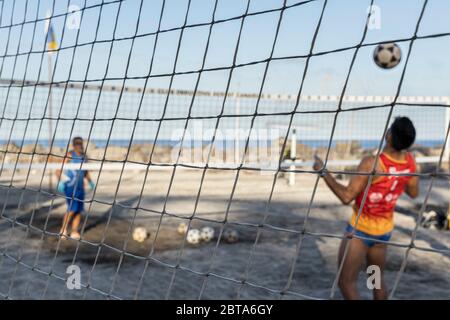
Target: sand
(33, 264)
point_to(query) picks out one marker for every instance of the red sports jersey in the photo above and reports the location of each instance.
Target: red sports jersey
(378, 211)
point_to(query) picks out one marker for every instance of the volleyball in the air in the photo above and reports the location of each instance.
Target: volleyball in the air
(140, 234)
(193, 236)
(182, 228)
(230, 236)
(387, 55)
(207, 234)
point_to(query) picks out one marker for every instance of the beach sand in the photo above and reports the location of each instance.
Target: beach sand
(33, 263)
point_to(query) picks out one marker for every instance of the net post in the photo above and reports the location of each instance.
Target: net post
(293, 156)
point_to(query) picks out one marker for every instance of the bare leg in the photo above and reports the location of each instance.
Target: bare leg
(377, 256)
(356, 256)
(67, 217)
(75, 225)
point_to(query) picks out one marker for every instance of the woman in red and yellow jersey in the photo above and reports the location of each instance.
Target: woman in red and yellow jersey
(372, 220)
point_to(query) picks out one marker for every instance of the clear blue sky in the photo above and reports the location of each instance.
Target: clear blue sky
(343, 23)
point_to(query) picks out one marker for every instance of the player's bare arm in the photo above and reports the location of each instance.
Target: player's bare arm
(347, 193)
(58, 172)
(412, 187)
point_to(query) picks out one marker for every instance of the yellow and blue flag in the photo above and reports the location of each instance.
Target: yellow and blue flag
(51, 38)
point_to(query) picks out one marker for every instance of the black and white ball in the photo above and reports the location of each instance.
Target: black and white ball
(387, 55)
(193, 236)
(230, 236)
(207, 234)
(435, 219)
(140, 234)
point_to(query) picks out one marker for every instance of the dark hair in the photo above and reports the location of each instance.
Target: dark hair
(403, 133)
(75, 139)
